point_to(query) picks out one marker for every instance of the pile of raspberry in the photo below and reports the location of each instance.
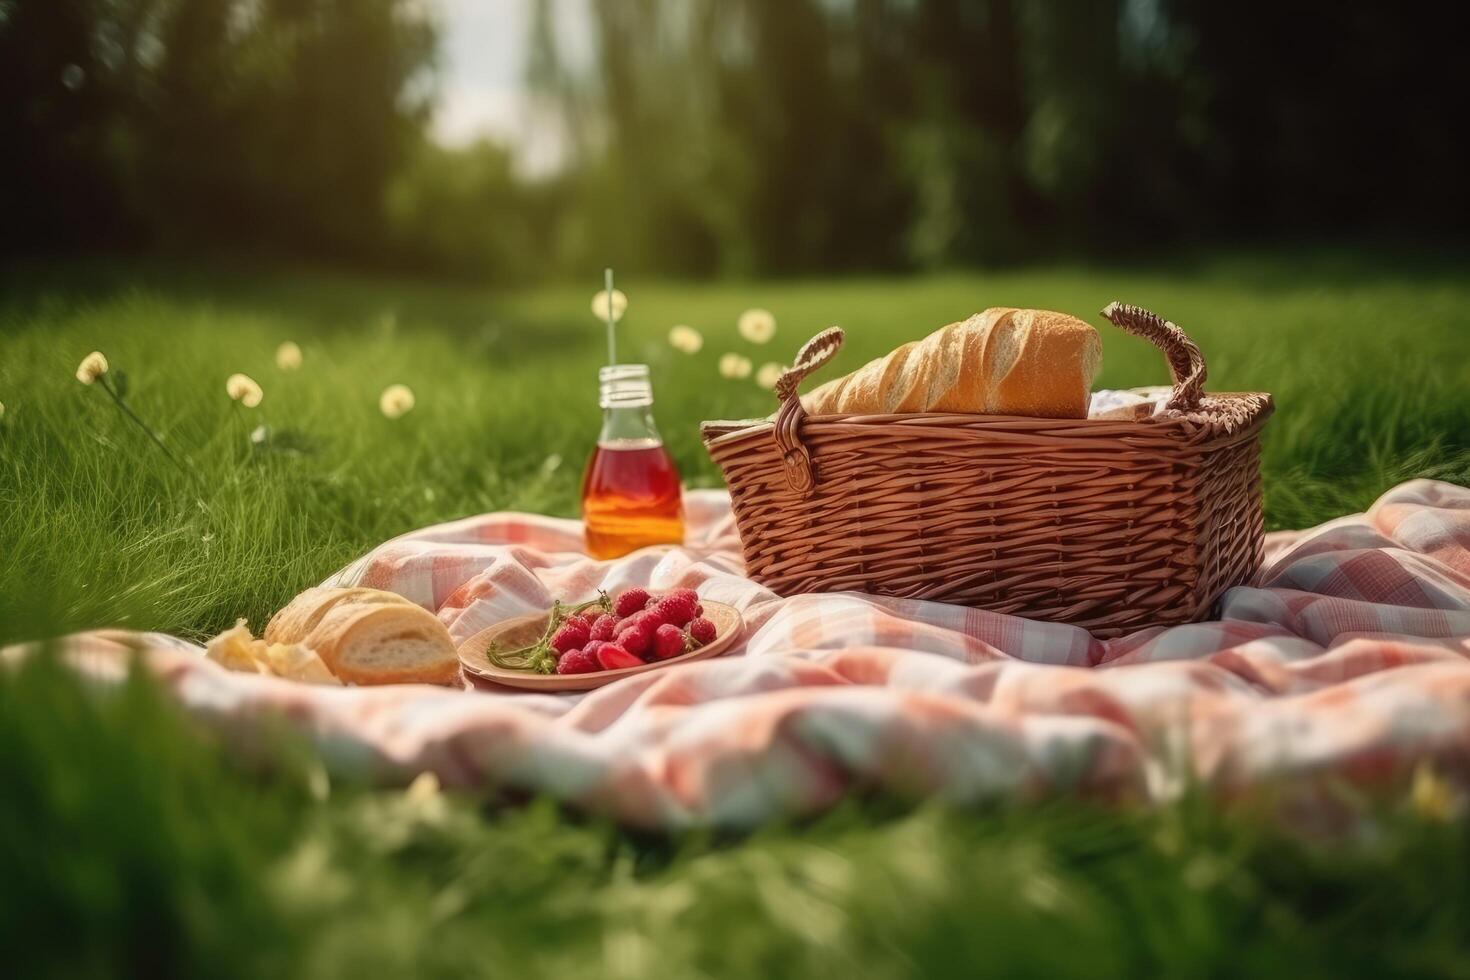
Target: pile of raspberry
(637, 629)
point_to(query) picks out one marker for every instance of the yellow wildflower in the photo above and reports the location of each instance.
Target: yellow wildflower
(288, 356)
(93, 366)
(243, 389)
(734, 365)
(600, 304)
(396, 401)
(686, 339)
(757, 326)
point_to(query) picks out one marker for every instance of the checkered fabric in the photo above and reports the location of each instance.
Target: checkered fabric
(1343, 667)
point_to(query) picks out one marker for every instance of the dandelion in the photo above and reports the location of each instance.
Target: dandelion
(600, 305)
(769, 374)
(734, 365)
(757, 326)
(686, 339)
(243, 389)
(94, 370)
(288, 356)
(396, 401)
(93, 366)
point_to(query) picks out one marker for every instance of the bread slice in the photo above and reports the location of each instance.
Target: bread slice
(999, 362)
(368, 636)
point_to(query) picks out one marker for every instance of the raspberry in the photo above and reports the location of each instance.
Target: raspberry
(612, 657)
(572, 634)
(577, 662)
(668, 641)
(635, 634)
(605, 628)
(676, 607)
(702, 632)
(630, 601)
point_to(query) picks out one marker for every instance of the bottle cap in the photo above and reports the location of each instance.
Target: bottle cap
(624, 386)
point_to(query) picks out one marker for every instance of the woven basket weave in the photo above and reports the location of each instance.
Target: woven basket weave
(1108, 525)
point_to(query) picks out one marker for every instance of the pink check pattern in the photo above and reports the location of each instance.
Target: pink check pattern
(1342, 668)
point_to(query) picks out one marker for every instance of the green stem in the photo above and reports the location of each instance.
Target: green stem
(123, 406)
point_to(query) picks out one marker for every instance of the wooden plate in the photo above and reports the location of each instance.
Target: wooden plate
(514, 634)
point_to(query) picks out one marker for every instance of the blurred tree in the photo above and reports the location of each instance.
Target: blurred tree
(57, 172)
(792, 135)
(1311, 114)
(463, 211)
(732, 136)
(275, 123)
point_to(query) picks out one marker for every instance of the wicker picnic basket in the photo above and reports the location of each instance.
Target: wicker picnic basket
(1111, 525)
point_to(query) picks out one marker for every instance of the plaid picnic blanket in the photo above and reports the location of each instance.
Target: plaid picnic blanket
(1344, 666)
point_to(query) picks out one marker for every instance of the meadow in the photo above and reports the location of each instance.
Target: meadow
(128, 844)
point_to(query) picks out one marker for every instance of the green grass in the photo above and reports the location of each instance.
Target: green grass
(129, 845)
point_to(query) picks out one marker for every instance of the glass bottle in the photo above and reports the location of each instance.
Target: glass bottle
(631, 494)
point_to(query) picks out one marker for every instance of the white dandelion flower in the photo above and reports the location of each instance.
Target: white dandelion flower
(396, 401)
(769, 374)
(757, 326)
(600, 304)
(288, 356)
(686, 339)
(93, 366)
(243, 389)
(734, 365)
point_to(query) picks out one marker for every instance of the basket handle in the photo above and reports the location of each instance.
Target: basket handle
(794, 455)
(1186, 363)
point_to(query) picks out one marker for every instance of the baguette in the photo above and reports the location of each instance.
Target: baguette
(368, 636)
(999, 362)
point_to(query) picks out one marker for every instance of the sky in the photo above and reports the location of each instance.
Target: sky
(484, 57)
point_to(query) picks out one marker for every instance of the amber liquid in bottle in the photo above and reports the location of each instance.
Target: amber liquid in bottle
(631, 493)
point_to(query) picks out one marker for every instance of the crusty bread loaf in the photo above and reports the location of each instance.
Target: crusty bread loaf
(1000, 362)
(368, 636)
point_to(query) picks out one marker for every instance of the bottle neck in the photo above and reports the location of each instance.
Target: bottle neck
(626, 397)
(629, 424)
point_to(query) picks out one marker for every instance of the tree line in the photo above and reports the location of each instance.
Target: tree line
(731, 136)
